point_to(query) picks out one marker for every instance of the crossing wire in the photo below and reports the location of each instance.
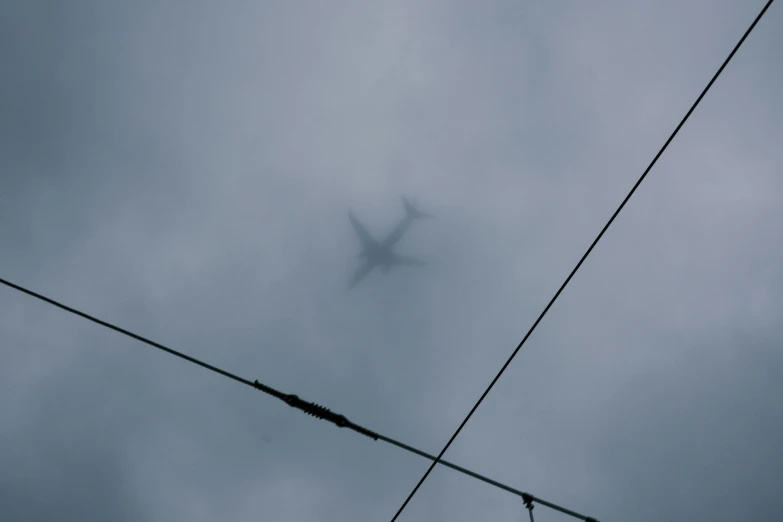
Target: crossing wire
(579, 264)
(294, 401)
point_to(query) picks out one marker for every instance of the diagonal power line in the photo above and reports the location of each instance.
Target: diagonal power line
(294, 401)
(579, 264)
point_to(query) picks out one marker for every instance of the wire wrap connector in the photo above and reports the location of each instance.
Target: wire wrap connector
(316, 410)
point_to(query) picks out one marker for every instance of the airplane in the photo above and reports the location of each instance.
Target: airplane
(380, 254)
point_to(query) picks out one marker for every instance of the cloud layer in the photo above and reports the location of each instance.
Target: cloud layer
(185, 171)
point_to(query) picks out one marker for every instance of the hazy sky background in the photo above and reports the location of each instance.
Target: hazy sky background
(185, 170)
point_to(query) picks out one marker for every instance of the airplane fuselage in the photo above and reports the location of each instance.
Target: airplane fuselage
(378, 257)
(380, 253)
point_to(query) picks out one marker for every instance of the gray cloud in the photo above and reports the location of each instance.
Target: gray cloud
(186, 171)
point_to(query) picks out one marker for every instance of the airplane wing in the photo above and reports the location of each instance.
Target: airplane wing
(360, 273)
(402, 260)
(364, 236)
(397, 233)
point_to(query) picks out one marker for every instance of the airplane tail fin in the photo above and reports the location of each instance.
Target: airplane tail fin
(412, 212)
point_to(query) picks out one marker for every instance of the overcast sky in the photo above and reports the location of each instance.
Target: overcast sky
(184, 169)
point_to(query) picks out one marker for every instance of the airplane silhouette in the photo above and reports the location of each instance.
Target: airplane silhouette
(381, 254)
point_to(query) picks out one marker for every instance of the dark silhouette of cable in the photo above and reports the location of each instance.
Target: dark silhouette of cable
(125, 332)
(529, 506)
(310, 408)
(579, 264)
